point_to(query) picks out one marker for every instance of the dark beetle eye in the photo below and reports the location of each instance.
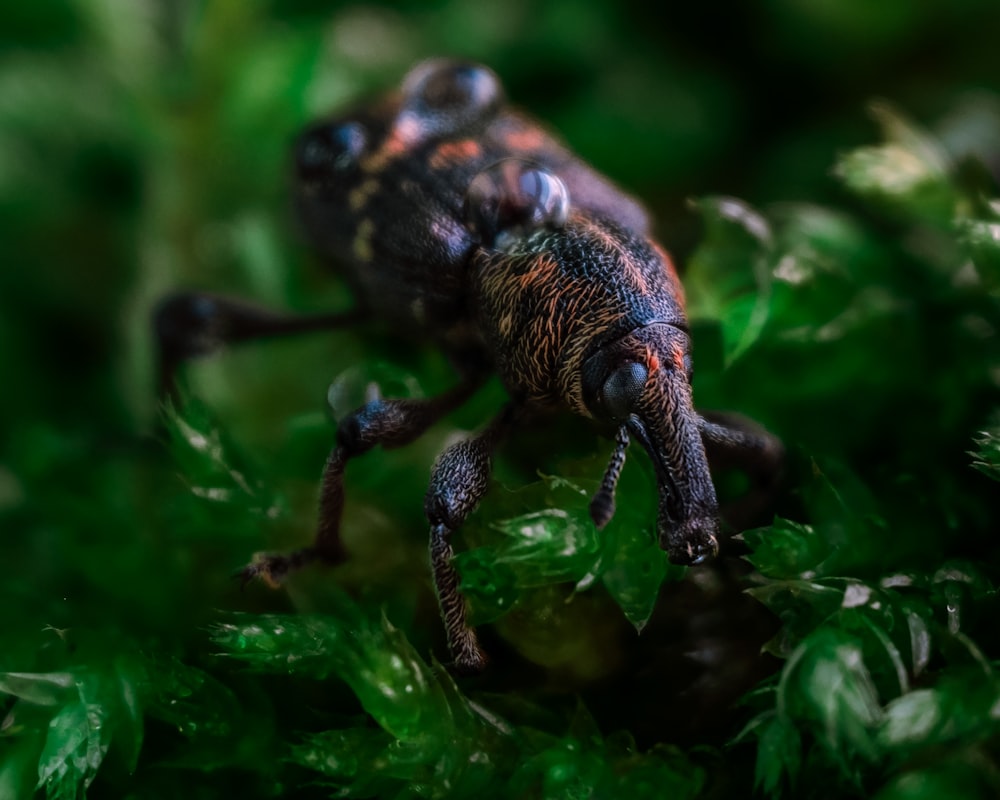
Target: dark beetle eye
(328, 149)
(613, 380)
(622, 389)
(514, 197)
(451, 89)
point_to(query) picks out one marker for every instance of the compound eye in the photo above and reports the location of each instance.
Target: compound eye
(622, 389)
(448, 95)
(329, 149)
(513, 198)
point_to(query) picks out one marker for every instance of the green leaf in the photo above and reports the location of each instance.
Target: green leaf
(217, 472)
(633, 569)
(576, 767)
(786, 549)
(729, 277)
(987, 453)
(128, 703)
(210, 716)
(359, 760)
(779, 755)
(853, 527)
(909, 173)
(801, 605)
(632, 564)
(47, 689)
(981, 240)
(489, 587)
(375, 659)
(75, 745)
(827, 684)
(912, 718)
(19, 764)
(547, 546)
(542, 533)
(555, 541)
(959, 779)
(433, 736)
(959, 711)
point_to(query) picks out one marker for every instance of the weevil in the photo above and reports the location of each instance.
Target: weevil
(457, 218)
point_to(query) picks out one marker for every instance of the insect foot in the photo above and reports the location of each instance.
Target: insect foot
(273, 568)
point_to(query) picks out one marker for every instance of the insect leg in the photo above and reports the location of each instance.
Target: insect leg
(733, 441)
(191, 324)
(459, 479)
(390, 423)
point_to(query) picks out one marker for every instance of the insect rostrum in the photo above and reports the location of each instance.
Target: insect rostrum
(454, 216)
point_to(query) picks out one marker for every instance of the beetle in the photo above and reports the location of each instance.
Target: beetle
(455, 217)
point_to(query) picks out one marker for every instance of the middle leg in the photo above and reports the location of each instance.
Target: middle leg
(390, 423)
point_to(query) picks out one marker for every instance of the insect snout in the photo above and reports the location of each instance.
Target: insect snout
(693, 542)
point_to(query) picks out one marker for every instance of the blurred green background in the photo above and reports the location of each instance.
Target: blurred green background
(826, 173)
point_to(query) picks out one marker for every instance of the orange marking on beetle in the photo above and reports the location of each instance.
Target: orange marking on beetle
(524, 139)
(598, 232)
(543, 270)
(606, 239)
(405, 133)
(550, 317)
(671, 271)
(506, 324)
(637, 276)
(451, 153)
(611, 244)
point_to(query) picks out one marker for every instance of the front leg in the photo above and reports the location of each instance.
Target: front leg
(734, 442)
(390, 423)
(459, 480)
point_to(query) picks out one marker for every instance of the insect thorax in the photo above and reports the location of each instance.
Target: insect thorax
(546, 301)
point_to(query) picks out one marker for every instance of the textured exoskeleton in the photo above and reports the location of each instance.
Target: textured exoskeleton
(457, 218)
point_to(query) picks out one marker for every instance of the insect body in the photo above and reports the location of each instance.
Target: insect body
(454, 216)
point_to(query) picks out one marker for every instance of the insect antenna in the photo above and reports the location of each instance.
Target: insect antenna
(602, 506)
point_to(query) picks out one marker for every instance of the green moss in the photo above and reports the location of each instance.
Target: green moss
(844, 290)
